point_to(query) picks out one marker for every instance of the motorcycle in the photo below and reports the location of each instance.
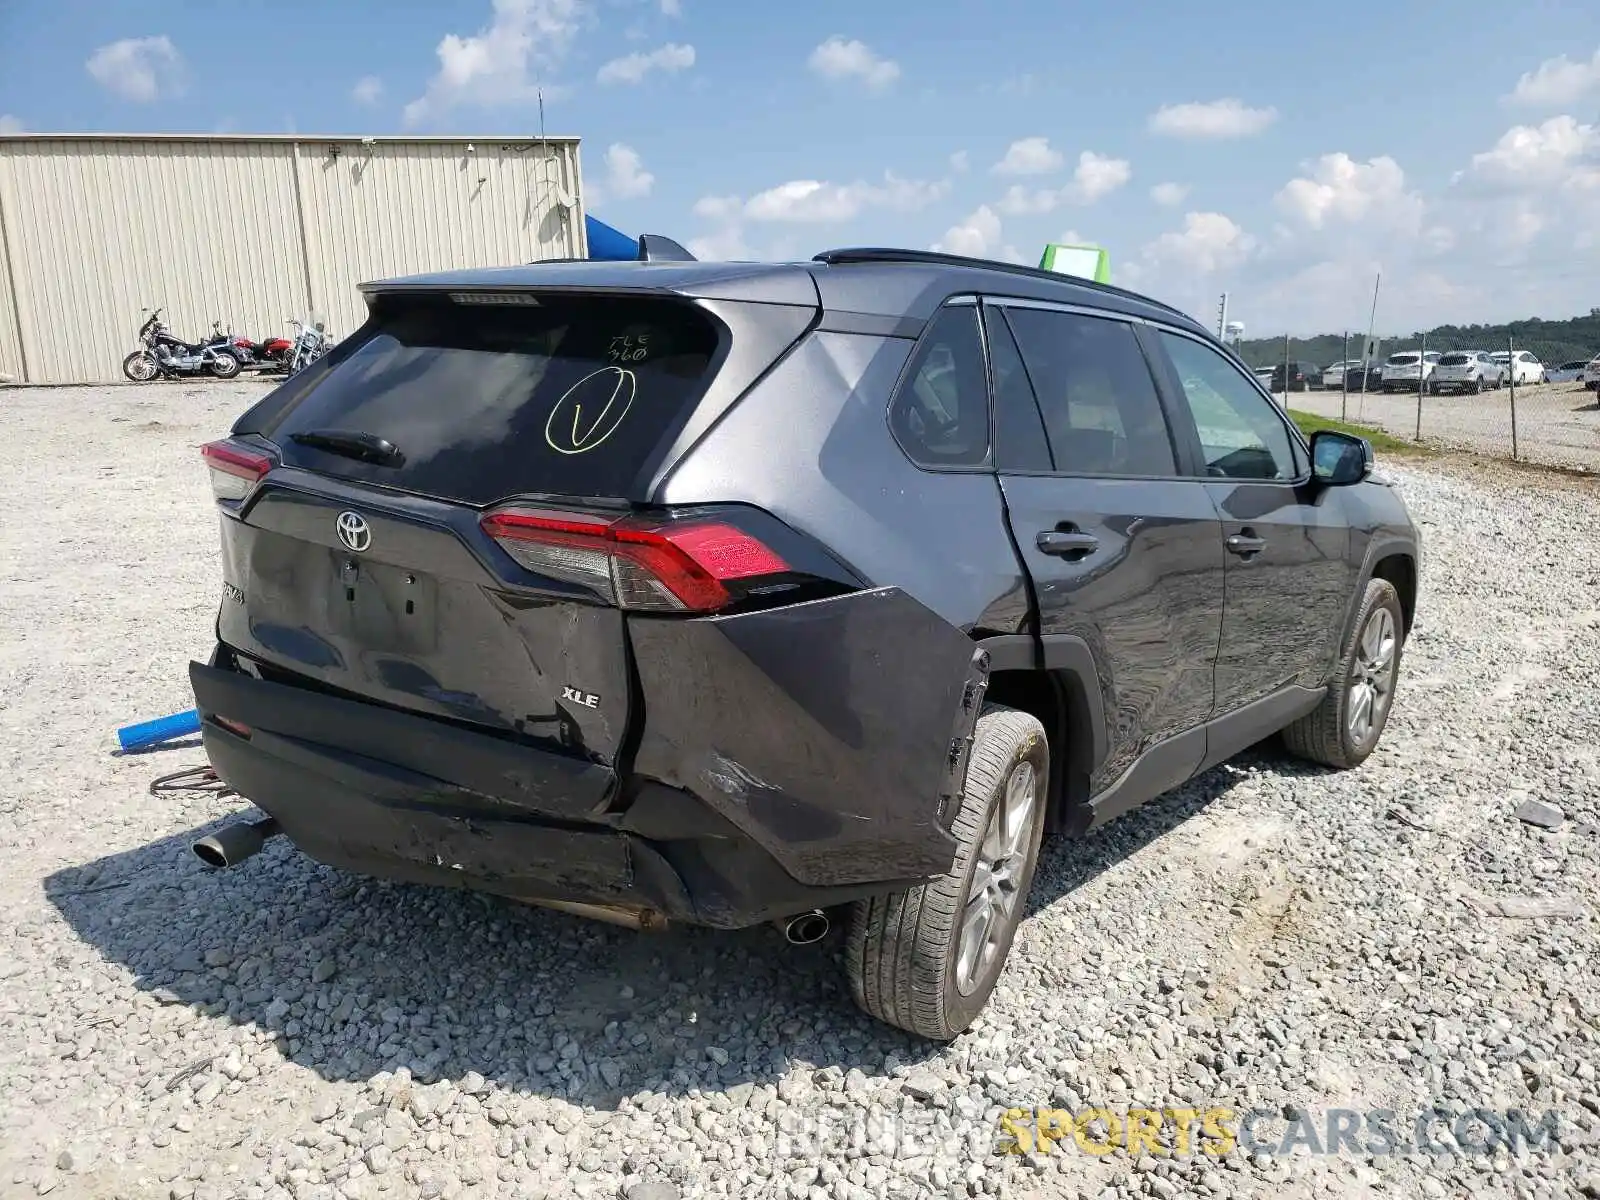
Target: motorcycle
(171, 357)
(310, 343)
(268, 355)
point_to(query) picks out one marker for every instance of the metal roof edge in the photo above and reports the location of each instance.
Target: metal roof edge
(354, 138)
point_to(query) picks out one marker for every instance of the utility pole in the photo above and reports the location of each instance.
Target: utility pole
(1222, 317)
(1286, 371)
(1372, 321)
(1511, 364)
(1422, 377)
(1344, 378)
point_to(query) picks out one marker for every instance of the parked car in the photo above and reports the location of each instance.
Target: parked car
(1372, 383)
(1402, 372)
(711, 598)
(1466, 371)
(1333, 375)
(1527, 368)
(1591, 374)
(1264, 376)
(1301, 376)
(1567, 372)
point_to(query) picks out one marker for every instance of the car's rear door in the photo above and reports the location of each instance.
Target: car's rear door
(1289, 574)
(1124, 551)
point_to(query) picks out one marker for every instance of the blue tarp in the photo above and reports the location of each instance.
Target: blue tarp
(609, 245)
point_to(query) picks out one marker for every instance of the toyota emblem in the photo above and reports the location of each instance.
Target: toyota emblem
(353, 531)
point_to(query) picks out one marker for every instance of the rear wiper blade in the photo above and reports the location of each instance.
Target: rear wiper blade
(365, 447)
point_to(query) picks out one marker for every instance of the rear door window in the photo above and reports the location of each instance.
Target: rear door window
(570, 395)
(1101, 410)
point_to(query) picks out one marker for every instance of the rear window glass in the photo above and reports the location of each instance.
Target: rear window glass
(1402, 360)
(1455, 360)
(574, 396)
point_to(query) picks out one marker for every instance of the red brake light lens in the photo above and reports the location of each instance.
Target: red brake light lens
(674, 565)
(234, 469)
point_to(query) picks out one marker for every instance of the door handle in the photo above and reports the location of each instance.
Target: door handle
(1245, 544)
(1070, 545)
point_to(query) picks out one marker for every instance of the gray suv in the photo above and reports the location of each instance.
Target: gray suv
(795, 593)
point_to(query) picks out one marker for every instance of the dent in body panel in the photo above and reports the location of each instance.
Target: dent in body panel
(1148, 600)
(822, 730)
(1285, 606)
(438, 634)
(811, 445)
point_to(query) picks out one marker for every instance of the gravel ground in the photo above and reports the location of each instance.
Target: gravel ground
(1558, 424)
(1268, 935)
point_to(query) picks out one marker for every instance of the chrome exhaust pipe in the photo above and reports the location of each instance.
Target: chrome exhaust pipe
(807, 928)
(232, 844)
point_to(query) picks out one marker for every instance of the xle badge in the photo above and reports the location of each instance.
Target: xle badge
(587, 699)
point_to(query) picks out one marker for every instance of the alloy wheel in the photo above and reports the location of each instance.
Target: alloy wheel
(1372, 676)
(1001, 863)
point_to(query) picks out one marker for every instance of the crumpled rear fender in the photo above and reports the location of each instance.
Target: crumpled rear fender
(833, 733)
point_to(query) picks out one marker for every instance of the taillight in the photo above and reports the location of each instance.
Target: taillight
(677, 564)
(234, 469)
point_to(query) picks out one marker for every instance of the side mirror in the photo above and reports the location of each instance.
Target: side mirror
(1340, 459)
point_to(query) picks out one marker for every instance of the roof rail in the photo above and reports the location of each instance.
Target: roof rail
(885, 254)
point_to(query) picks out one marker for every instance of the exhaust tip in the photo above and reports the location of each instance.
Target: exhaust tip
(209, 851)
(807, 928)
(232, 844)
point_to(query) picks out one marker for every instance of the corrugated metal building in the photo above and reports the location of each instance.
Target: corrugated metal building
(252, 231)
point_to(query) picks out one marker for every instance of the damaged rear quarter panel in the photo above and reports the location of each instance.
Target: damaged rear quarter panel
(822, 730)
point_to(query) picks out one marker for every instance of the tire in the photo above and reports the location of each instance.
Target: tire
(1477, 386)
(224, 365)
(1326, 735)
(903, 954)
(140, 366)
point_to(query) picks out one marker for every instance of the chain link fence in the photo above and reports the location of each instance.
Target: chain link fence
(1554, 424)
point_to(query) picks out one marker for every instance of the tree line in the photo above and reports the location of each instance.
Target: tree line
(1553, 341)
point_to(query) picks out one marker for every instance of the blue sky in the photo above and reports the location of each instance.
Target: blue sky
(1283, 153)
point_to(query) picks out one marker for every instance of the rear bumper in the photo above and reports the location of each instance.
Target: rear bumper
(726, 820)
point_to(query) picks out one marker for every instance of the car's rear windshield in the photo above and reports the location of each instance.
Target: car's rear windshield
(1455, 360)
(1402, 360)
(570, 395)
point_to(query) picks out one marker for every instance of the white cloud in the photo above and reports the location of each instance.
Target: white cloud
(718, 208)
(837, 58)
(1340, 189)
(672, 8)
(139, 69)
(1169, 195)
(492, 67)
(1557, 81)
(1020, 201)
(1207, 243)
(979, 236)
(1557, 152)
(10, 124)
(1029, 156)
(1217, 119)
(818, 201)
(959, 162)
(1097, 175)
(632, 68)
(368, 90)
(725, 245)
(625, 177)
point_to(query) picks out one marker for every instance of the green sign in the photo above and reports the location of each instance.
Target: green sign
(1086, 262)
